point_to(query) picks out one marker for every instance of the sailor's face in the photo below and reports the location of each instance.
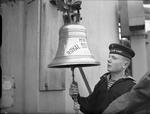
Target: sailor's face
(115, 63)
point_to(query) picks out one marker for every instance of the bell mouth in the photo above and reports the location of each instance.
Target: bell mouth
(73, 65)
(74, 61)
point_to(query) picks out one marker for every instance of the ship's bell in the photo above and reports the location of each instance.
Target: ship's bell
(73, 49)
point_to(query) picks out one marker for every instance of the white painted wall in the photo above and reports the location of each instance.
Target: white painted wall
(13, 49)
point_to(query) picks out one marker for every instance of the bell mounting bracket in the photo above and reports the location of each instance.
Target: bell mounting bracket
(70, 8)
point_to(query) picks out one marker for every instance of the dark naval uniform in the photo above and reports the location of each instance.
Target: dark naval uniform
(102, 96)
(105, 92)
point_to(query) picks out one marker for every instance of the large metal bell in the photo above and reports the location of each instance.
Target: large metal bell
(73, 49)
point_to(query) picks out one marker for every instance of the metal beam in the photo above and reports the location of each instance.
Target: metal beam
(147, 13)
(146, 10)
(146, 1)
(147, 16)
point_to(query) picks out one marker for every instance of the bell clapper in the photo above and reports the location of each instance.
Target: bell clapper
(76, 106)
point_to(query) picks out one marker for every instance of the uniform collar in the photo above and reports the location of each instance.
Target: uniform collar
(106, 75)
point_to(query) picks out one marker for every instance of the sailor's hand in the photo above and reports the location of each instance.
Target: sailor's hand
(74, 91)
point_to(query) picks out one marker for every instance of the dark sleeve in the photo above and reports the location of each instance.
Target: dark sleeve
(140, 94)
(143, 86)
(85, 105)
(89, 105)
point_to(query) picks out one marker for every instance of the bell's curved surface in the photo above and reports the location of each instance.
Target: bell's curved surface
(73, 49)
